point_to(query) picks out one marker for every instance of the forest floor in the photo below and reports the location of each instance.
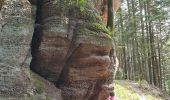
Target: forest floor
(130, 90)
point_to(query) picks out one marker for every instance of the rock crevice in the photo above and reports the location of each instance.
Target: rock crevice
(71, 50)
(73, 53)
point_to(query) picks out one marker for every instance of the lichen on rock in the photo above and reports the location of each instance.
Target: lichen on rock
(15, 36)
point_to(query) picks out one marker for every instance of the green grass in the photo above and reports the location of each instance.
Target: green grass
(125, 91)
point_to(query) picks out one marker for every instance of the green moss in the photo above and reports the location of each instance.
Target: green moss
(38, 83)
(89, 16)
(99, 27)
(85, 34)
(94, 21)
(94, 29)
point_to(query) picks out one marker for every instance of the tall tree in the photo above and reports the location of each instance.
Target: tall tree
(142, 33)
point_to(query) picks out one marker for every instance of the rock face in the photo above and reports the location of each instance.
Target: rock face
(71, 51)
(16, 30)
(74, 51)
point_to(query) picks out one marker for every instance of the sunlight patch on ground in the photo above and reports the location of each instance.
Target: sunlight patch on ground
(125, 91)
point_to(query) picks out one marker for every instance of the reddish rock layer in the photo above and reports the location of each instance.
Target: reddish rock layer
(74, 52)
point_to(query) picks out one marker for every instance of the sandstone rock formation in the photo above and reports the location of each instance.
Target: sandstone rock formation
(16, 30)
(74, 52)
(71, 50)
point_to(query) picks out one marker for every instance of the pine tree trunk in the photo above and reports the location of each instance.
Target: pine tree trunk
(110, 15)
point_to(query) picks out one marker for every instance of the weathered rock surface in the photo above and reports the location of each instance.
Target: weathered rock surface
(74, 51)
(71, 51)
(16, 30)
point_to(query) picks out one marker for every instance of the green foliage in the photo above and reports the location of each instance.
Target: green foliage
(125, 93)
(100, 27)
(65, 4)
(128, 90)
(84, 11)
(142, 27)
(168, 85)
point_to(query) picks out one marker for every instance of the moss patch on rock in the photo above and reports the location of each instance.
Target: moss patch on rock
(91, 20)
(37, 82)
